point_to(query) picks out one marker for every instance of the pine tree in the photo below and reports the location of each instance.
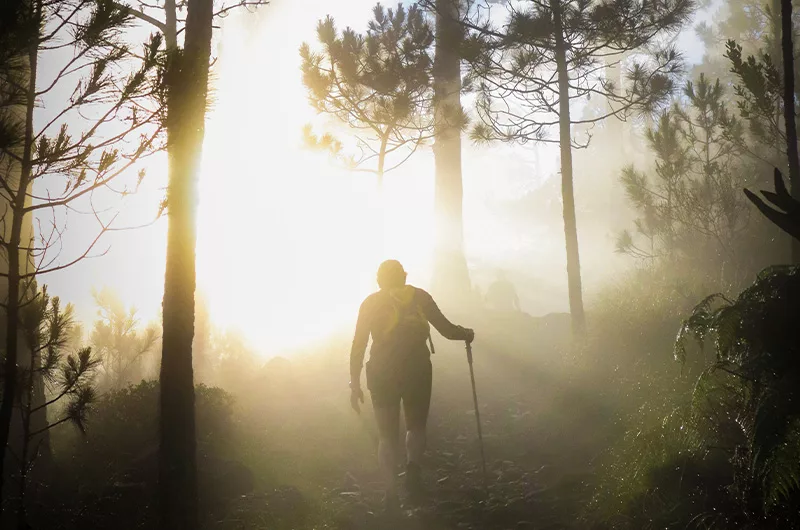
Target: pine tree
(767, 97)
(451, 275)
(378, 84)
(53, 378)
(690, 207)
(119, 344)
(65, 164)
(549, 54)
(789, 108)
(185, 97)
(186, 100)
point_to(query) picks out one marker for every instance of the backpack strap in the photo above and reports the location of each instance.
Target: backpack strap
(403, 311)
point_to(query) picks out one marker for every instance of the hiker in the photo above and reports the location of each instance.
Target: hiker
(501, 295)
(399, 368)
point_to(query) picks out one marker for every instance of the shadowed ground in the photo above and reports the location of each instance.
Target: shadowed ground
(283, 450)
(315, 461)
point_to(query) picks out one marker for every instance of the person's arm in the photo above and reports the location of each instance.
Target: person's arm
(359, 348)
(439, 321)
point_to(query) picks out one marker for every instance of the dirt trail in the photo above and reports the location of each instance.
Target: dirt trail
(539, 442)
(543, 430)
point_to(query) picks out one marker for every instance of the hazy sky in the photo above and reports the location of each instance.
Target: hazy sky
(283, 248)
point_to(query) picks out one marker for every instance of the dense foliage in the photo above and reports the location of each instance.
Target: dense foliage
(690, 207)
(115, 461)
(377, 83)
(122, 348)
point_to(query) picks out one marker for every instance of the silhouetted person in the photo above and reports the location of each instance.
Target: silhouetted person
(399, 368)
(502, 295)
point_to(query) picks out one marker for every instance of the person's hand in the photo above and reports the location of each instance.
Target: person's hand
(469, 335)
(356, 396)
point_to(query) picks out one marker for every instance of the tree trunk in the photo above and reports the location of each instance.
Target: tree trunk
(567, 191)
(615, 126)
(201, 361)
(789, 110)
(776, 50)
(381, 200)
(619, 130)
(32, 450)
(10, 364)
(451, 277)
(25, 462)
(39, 421)
(186, 106)
(382, 162)
(15, 258)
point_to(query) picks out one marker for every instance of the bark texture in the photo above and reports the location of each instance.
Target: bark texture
(19, 231)
(451, 277)
(186, 107)
(567, 188)
(789, 109)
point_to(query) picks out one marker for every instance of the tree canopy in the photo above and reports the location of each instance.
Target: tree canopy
(377, 83)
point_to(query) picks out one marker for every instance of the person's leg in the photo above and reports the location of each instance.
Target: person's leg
(385, 393)
(387, 415)
(416, 405)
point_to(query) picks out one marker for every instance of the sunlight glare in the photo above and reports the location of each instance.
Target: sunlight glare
(288, 242)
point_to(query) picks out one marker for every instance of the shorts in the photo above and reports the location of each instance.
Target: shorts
(410, 384)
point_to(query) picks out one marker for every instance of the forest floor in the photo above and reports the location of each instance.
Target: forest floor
(314, 461)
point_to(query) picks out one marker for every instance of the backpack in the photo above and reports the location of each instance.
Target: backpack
(408, 323)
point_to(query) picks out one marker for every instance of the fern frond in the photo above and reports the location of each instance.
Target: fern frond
(782, 478)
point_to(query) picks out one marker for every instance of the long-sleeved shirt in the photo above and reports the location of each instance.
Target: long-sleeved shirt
(374, 315)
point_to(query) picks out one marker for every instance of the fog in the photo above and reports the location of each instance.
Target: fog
(611, 425)
(272, 214)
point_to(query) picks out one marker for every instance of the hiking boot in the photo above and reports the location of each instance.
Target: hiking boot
(414, 485)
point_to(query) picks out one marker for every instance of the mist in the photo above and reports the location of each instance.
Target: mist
(269, 211)
(635, 368)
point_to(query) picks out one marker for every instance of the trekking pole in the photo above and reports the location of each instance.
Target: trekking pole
(477, 414)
